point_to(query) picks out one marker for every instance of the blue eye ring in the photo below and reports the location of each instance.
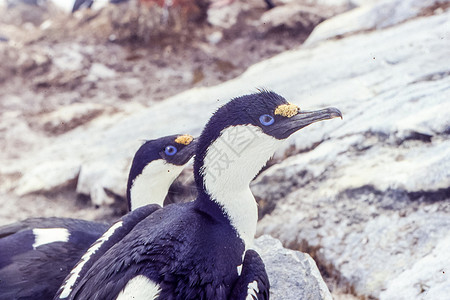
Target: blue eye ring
(266, 120)
(171, 150)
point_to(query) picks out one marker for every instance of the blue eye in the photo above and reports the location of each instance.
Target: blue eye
(170, 150)
(266, 120)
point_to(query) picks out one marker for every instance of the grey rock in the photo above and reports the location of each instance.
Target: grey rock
(428, 277)
(371, 196)
(292, 274)
(49, 176)
(113, 181)
(224, 17)
(71, 59)
(370, 16)
(100, 71)
(364, 238)
(293, 16)
(67, 118)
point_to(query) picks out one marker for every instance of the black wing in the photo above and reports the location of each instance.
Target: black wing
(112, 236)
(53, 222)
(37, 274)
(29, 272)
(149, 250)
(253, 281)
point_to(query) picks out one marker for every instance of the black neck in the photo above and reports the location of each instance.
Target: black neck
(206, 205)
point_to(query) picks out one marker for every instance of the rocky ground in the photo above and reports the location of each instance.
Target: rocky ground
(366, 197)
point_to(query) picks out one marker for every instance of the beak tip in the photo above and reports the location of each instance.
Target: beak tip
(335, 113)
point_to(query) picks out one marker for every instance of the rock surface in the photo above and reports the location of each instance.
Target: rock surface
(369, 199)
(292, 274)
(374, 15)
(427, 276)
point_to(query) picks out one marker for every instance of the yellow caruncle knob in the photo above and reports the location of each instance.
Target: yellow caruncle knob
(184, 139)
(287, 110)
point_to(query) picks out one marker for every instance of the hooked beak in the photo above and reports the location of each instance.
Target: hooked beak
(288, 126)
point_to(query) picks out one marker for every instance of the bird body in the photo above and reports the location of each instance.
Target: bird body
(188, 255)
(37, 254)
(202, 249)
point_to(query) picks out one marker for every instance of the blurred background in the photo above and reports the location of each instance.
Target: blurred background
(83, 83)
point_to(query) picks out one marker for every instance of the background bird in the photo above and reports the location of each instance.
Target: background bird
(37, 254)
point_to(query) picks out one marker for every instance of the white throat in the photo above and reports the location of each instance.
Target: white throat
(231, 162)
(151, 186)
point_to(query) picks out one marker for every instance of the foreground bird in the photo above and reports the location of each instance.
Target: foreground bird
(37, 254)
(201, 249)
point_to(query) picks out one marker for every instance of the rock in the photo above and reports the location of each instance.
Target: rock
(427, 277)
(20, 13)
(359, 198)
(292, 274)
(69, 117)
(293, 17)
(17, 62)
(224, 16)
(364, 238)
(215, 37)
(99, 71)
(49, 176)
(370, 16)
(107, 182)
(72, 59)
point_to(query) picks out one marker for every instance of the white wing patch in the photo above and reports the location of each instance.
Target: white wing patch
(140, 288)
(252, 290)
(239, 269)
(68, 284)
(43, 236)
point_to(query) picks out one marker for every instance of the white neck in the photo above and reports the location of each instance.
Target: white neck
(231, 162)
(152, 185)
